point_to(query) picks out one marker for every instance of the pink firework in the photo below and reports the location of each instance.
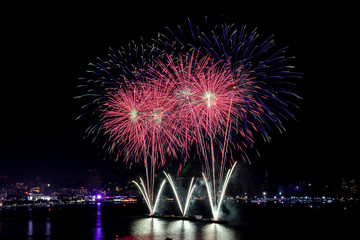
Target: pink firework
(210, 96)
(124, 121)
(140, 119)
(211, 100)
(224, 86)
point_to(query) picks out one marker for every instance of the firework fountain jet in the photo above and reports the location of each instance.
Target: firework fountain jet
(188, 197)
(215, 211)
(144, 192)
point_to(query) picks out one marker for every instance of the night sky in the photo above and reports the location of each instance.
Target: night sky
(45, 49)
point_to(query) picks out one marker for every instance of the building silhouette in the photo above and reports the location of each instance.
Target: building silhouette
(93, 180)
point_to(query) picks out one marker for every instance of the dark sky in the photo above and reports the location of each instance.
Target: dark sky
(45, 49)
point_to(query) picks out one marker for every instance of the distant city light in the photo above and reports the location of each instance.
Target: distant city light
(98, 197)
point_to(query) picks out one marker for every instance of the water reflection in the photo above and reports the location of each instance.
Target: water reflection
(48, 228)
(218, 231)
(153, 228)
(182, 229)
(38, 228)
(98, 229)
(30, 229)
(78, 225)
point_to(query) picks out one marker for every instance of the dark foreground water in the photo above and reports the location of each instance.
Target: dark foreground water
(116, 221)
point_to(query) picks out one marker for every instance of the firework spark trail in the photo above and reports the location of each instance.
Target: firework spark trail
(175, 192)
(209, 195)
(215, 212)
(223, 190)
(143, 190)
(223, 151)
(158, 195)
(188, 196)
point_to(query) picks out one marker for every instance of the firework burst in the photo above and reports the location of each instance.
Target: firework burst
(212, 89)
(141, 119)
(230, 83)
(247, 54)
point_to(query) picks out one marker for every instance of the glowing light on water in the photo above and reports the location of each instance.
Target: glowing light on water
(98, 230)
(153, 228)
(30, 230)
